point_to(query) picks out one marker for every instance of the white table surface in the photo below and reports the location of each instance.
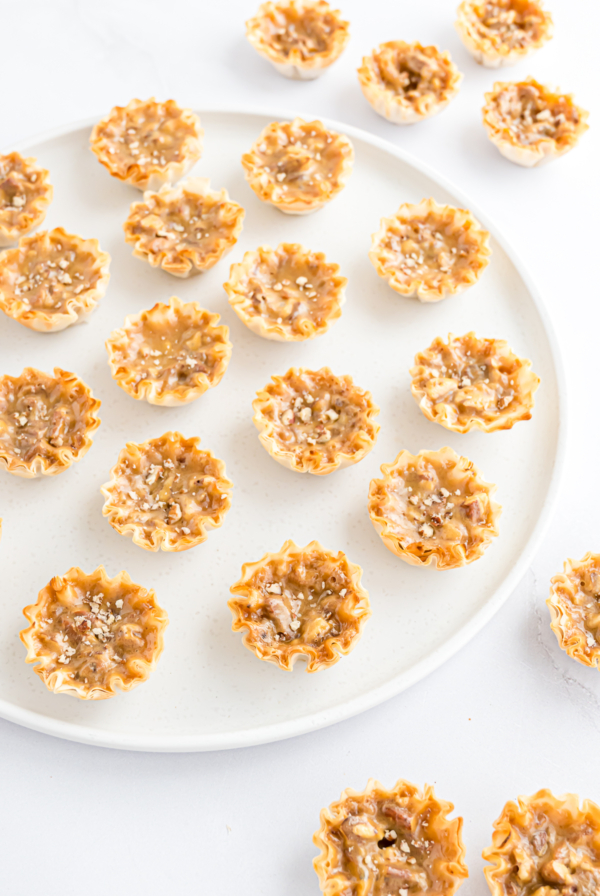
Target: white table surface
(511, 713)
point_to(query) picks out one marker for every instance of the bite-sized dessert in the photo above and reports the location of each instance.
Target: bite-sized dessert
(25, 194)
(166, 493)
(502, 32)
(298, 166)
(434, 509)
(300, 38)
(300, 602)
(545, 845)
(429, 251)
(531, 124)
(574, 604)
(394, 842)
(46, 422)
(170, 354)
(288, 293)
(52, 279)
(148, 144)
(408, 82)
(184, 229)
(471, 383)
(91, 635)
(314, 422)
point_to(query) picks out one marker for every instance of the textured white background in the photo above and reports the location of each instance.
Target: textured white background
(508, 715)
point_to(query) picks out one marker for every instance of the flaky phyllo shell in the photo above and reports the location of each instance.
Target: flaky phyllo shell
(298, 166)
(300, 602)
(532, 124)
(406, 83)
(287, 294)
(502, 32)
(25, 194)
(429, 251)
(396, 841)
(46, 422)
(545, 845)
(148, 144)
(300, 38)
(471, 383)
(167, 493)
(312, 421)
(574, 604)
(91, 635)
(170, 354)
(52, 279)
(434, 509)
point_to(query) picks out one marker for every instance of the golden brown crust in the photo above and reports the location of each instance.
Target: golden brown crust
(502, 32)
(91, 635)
(298, 166)
(170, 354)
(389, 842)
(406, 83)
(167, 493)
(434, 509)
(287, 294)
(300, 602)
(545, 845)
(312, 421)
(25, 194)
(46, 422)
(471, 383)
(574, 604)
(430, 251)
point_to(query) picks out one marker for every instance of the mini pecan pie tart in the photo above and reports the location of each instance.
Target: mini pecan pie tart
(430, 251)
(52, 279)
(170, 354)
(300, 38)
(148, 144)
(434, 509)
(574, 604)
(46, 422)
(531, 124)
(288, 293)
(408, 82)
(388, 842)
(167, 493)
(545, 845)
(502, 32)
(298, 166)
(25, 195)
(300, 602)
(184, 229)
(470, 383)
(91, 635)
(314, 422)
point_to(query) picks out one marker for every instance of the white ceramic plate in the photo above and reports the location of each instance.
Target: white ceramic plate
(208, 691)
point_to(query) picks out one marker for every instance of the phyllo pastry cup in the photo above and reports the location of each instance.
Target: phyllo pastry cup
(396, 841)
(52, 279)
(530, 124)
(406, 83)
(25, 194)
(574, 604)
(46, 422)
(434, 509)
(300, 602)
(300, 38)
(91, 635)
(184, 229)
(298, 166)
(170, 354)
(471, 383)
(148, 144)
(545, 845)
(287, 294)
(166, 493)
(502, 32)
(312, 421)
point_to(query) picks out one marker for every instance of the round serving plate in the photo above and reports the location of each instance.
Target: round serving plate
(209, 692)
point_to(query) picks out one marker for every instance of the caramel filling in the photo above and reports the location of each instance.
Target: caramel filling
(582, 604)
(531, 114)
(508, 23)
(410, 72)
(307, 31)
(20, 186)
